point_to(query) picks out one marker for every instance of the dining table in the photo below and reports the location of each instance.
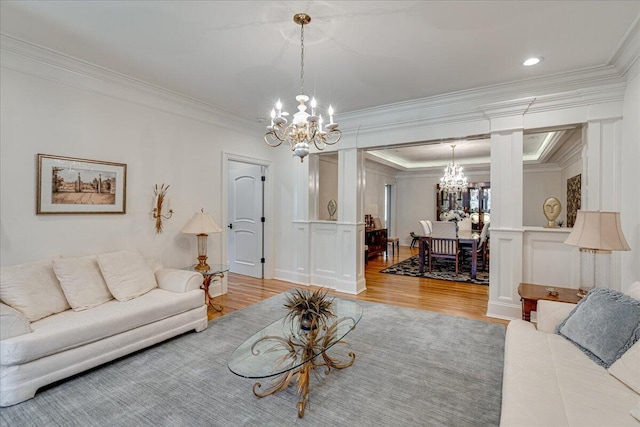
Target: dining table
(465, 237)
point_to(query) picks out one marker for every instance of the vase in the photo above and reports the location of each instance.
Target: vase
(306, 323)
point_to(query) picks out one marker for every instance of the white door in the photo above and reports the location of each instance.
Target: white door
(245, 212)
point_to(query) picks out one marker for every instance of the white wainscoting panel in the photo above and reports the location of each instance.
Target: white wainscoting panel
(324, 236)
(505, 274)
(300, 271)
(547, 260)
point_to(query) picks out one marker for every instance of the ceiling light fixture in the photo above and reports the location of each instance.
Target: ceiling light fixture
(305, 128)
(453, 179)
(532, 61)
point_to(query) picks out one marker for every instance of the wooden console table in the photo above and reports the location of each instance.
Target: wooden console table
(530, 294)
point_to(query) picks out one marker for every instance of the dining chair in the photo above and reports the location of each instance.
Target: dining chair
(481, 248)
(443, 247)
(426, 227)
(443, 229)
(464, 225)
(426, 230)
(377, 224)
(414, 239)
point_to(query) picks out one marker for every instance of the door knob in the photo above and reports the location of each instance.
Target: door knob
(230, 226)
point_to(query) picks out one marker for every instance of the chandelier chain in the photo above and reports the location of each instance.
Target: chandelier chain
(302, 58)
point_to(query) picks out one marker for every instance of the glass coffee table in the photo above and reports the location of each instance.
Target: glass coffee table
(284, 352)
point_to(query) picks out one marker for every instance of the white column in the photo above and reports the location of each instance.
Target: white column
(506, 224)
(314, 186)
(301, 242)
(602, 171)
(350, 238)
(302, 194)
(602, 165)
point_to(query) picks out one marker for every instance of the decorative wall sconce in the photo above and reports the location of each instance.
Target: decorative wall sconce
(160, 193)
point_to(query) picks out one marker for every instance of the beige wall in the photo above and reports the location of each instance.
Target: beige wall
(328, 184)
(377, 176)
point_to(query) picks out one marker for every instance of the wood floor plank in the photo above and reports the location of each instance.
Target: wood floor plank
(458, 299)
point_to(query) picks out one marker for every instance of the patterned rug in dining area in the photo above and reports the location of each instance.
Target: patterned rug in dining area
(443, 270)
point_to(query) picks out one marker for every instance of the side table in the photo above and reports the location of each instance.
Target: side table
(530, 294)
(214, 273)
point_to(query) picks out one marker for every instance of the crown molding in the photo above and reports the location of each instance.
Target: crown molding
(541, 168)
(571, 156)
(625, 57)
(580, 88)
(374, 165)
(48, 64)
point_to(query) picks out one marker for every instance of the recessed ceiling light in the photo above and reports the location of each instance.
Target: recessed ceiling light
(532, 61)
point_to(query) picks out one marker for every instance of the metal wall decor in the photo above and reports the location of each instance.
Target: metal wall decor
(158, 202)
(574, 190)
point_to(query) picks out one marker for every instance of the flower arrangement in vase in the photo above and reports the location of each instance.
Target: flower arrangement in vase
(454, 215)
(310, 308)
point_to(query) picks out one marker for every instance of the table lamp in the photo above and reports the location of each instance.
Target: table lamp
(201, 225)
(596, 234)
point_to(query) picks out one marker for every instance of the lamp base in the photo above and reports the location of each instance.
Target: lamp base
(202, 264)
(583, 292)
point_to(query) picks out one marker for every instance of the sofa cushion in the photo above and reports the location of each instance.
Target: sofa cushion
(82, 282)
(33, 289)
(627, 368)
(604, 325)
(71, 329)
(12, 323)
(127, 274)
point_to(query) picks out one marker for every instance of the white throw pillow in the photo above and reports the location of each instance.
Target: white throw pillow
(154, 264)
(127, 274)
(633, 290)
(627, 368)
(32, 289)
(82, 282)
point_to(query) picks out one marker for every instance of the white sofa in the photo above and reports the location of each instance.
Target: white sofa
(548, 381)
(36, 352)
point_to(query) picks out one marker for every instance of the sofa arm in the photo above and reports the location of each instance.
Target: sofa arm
(175, 280)
(12, 322)
(551, 314)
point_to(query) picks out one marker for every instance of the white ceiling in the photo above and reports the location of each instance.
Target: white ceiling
(539, 147)
(241, 56)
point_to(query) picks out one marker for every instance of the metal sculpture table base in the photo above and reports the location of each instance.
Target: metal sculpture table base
(303, 347)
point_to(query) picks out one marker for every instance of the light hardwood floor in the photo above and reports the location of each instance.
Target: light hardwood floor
(459, 299)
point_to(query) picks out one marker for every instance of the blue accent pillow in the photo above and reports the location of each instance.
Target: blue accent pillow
(604, 325)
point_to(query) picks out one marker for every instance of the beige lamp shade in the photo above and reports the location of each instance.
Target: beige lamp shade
(599, 231)
(201, 223)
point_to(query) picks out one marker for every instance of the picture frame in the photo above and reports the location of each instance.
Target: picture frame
(68, 185)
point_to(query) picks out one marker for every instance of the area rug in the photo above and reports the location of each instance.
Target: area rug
(412, 368)
(444, 270)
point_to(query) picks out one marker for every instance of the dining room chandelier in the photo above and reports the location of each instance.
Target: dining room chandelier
(453, 179)
(305, 128)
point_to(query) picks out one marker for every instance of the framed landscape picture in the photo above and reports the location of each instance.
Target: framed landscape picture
(79, 186)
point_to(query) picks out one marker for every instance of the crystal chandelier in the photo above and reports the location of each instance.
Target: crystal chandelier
(305, 128)
(453, 179)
